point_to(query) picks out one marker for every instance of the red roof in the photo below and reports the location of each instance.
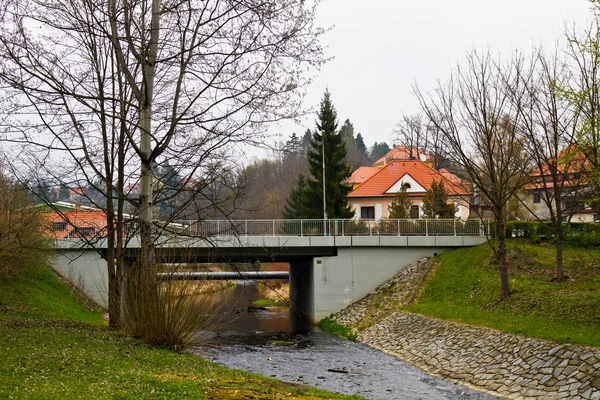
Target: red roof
(572, 167)
(423, 174)
(402, 153)
(362, 174)
(453, 177)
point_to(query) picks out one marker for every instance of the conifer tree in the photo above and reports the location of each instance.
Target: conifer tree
(362, 148)
(435, 202)
(327, 138)
(293, 208)
(400, 206)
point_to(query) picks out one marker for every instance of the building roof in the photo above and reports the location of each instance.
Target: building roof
(386, 182)
(402, 153)
(454, 178)
(64, 206)
(571, 173)
(362, 174)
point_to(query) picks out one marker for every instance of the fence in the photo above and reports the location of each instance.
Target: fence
(336, 227)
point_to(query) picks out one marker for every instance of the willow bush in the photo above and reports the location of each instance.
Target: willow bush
(23, 240)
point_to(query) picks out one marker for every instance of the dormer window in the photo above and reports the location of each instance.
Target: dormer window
(406, 185)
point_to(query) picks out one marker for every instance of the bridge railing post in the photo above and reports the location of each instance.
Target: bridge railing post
(301, 228)
(426, 227)
(246, 228)
(273, 227)
(454, 226)
(399, 228)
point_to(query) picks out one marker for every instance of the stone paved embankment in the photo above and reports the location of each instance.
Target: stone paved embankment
(507, 365)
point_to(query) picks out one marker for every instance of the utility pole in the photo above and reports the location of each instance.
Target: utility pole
(324, 198)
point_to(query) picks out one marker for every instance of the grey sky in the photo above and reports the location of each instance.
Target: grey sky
(381, 47)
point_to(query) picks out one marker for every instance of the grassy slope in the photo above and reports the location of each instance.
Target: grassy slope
(466, 288)
(51, 347)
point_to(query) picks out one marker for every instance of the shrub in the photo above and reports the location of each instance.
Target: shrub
(23, 243)
(331, 326)
(581, 234)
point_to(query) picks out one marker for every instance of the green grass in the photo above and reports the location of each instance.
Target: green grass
(269, 303)
(331, 326)
(466, 288)
(51, 347)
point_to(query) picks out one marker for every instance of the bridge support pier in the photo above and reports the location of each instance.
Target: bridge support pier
(302, 296)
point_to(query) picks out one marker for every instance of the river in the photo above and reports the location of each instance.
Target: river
(260, 341)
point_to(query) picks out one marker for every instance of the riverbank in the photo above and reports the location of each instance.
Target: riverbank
(53, 347)
(503, 364)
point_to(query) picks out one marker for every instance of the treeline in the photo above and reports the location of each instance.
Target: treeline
(289, 184)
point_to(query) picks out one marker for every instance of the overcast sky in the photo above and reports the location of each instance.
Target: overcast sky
(382, 47)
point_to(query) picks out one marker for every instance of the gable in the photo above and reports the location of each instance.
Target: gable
(414, 186)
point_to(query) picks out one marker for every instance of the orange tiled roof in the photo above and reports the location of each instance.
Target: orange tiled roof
(572, 174)
(453, 178)
(402, 153)
(378, 184)
(362, 174)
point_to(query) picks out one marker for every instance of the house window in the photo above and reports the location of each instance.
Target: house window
(414, 211)
(86, 232)
(572, 205)
(367, 212)
(406, 185)
(537, 197)
(59, 226)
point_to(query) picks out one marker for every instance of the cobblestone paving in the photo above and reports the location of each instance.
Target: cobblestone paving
(508, 365)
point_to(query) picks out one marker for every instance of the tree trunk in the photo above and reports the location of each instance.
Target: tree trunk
(501, 254)
(143, 272)
(560, 272)
(558, 232)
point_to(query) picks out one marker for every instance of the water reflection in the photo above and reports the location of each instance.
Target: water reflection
(240, 321)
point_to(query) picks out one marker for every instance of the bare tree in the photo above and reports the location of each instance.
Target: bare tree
(105, 89)
(583, 93)
(549, 126)
(473, 112)
(412, 133)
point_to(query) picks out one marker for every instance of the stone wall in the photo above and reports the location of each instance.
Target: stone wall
(503, 364)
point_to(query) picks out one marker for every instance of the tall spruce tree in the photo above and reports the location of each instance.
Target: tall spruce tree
(327, 139)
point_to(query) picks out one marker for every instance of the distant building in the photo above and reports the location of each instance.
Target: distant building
(374, 187)
(403, 153)
(68, 220)
(372, 198)
(576, 193)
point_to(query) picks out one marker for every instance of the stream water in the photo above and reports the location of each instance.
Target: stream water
(260, 341)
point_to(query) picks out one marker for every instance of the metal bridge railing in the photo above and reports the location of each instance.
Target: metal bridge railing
(336, 227)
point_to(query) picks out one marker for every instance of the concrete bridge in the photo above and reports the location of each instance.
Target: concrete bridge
(332, 263)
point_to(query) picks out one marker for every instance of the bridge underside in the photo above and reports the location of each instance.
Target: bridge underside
(233, 255)
(320, 284)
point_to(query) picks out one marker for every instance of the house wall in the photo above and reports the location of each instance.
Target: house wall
(582, 217)
(76, 219)
(381, 206)
(533, 210)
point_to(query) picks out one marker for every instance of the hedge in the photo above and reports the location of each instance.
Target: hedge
(582, 234)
